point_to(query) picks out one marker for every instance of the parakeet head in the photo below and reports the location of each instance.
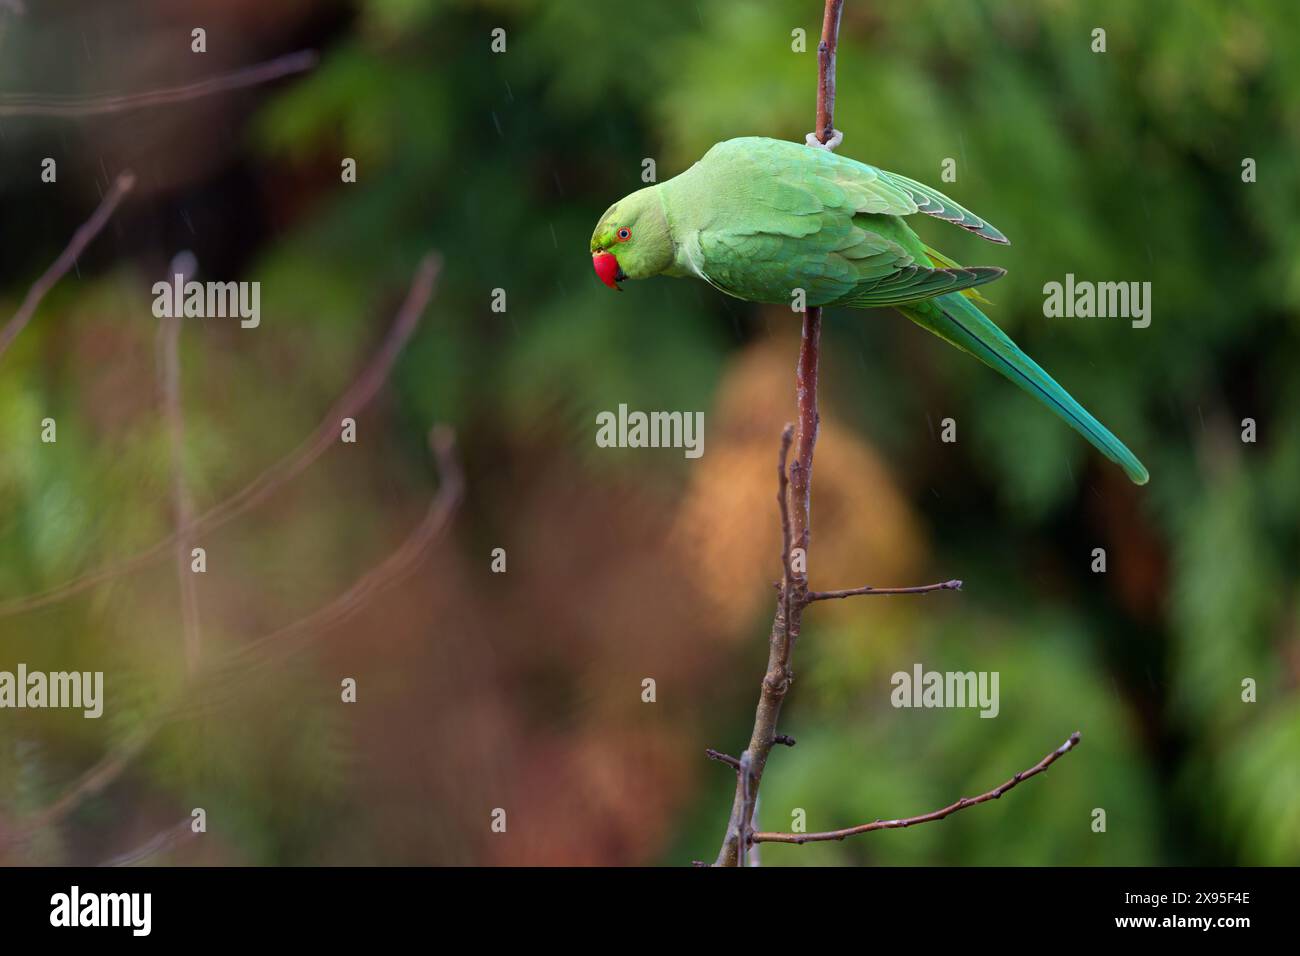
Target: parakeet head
(632, 240)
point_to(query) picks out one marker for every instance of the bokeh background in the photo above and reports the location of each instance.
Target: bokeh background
(522, 690)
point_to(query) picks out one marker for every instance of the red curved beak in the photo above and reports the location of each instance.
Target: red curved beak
(607, 269)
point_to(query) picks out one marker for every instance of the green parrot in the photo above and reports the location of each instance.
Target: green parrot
(761, 218)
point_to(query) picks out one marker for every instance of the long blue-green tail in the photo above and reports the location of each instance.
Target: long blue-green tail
(953, 318)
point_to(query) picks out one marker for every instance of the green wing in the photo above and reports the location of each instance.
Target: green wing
(860, 268)
(934, 203)
(763, 217)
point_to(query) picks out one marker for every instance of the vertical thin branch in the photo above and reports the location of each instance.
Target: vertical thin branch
(169, 368)
(826, 70)
(797, 533)
(805, 442)
(749, 798)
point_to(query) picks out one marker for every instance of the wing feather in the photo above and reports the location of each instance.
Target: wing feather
(795, 217)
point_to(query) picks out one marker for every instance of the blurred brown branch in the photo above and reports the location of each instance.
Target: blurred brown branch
(124, 183)
(173, 835)
(103, 773)
(193, 696)
(169, 375)
(46, 104)
(391, 571)
(961, 804)
(358, 395)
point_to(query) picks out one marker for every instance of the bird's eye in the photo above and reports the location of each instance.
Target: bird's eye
(624, 234)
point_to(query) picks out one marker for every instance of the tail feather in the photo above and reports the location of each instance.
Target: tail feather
(953, 318)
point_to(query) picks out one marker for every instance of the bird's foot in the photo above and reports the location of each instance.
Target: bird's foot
(836, 138)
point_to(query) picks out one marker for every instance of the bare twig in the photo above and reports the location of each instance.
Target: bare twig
(73, 107)
(952, 808)
(124, 183)
(720, 757)
(953, 585)
(358, 395)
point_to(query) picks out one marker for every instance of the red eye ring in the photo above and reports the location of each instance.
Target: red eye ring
(623, 235)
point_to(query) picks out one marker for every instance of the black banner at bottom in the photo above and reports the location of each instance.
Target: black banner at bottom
(240, 904)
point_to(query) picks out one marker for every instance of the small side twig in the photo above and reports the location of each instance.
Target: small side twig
(720, 757)
(953, 585)
(962, 804)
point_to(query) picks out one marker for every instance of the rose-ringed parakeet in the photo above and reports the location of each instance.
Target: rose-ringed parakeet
(760, 218)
